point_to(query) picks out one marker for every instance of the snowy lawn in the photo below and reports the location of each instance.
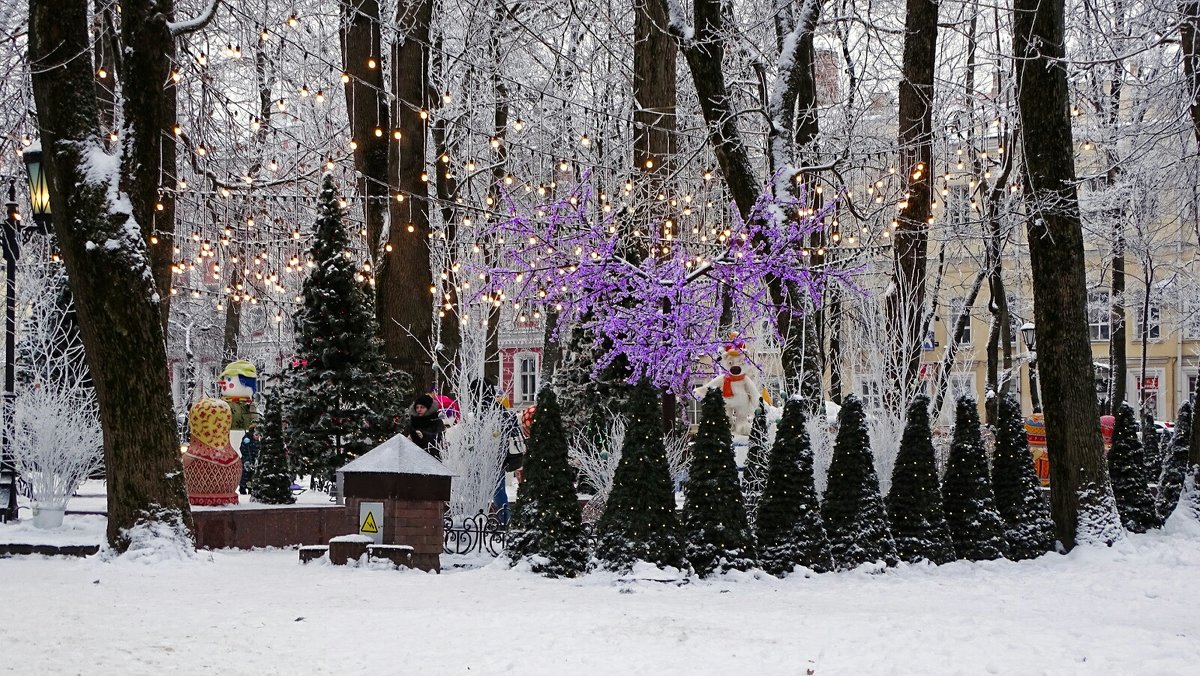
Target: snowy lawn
(1126, 610)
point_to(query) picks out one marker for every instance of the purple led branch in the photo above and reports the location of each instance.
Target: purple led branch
(663, 313)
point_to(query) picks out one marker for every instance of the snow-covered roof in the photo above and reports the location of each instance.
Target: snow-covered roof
(398, 455)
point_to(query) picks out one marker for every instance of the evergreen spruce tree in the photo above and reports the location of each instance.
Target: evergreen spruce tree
(754, 476)
(914, 503)
(639, 522)
(1152, 445)
(1026, 515)
(271, 482)
(341, 398)
(790, 529)
(714, 516)
(853, 510)
(1127, 471)
(975, 525)
(1170, 481)
(547, 523)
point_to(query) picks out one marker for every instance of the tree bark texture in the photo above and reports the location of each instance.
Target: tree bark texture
(149, 105)
(117, 301)
(1056, 252)
(654, 123)
(905, 305)
(367, 107)
(405, 305)
(1189, 34)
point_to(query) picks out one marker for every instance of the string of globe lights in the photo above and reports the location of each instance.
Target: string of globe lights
(875, 190)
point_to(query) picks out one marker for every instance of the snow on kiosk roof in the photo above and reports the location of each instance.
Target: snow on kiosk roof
(398, 455)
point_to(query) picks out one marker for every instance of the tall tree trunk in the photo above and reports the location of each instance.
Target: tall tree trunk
(905, 304)
(654, 98)
(405, 304)
(232, 333)
(149, 106)
(1080, 491)
(1189, 34)
(118, 303)
(367, 108)
(1116, 338)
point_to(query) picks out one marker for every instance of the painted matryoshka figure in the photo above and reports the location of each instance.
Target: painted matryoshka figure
(238, 383)
(211, 468)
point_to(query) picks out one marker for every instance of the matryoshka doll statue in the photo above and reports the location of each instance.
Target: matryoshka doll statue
(238, 383)
(211, 468)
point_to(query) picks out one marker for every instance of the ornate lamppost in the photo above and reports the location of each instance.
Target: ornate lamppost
(1027, 334)
(39, 198)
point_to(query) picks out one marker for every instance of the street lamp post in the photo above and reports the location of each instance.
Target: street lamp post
(12, 251)
(39, 201)
(1027, 333)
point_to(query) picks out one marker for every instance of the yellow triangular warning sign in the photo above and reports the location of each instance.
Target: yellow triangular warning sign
(368, 524)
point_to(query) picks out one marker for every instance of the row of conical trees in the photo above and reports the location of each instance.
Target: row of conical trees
(973, 513)
(1138, 460)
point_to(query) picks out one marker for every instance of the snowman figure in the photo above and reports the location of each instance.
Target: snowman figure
(741, 391)
(238, 383)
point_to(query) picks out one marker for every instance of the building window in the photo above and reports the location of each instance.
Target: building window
(527, 377)
(870, 390)
(1191, 321)
(958, 206)
(1099, 315)
(1149, 387)
(956, 307)
(1191, 388)
(1153, 329)
(957, 385)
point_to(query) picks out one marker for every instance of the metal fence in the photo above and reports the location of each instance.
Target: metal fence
(482, 533)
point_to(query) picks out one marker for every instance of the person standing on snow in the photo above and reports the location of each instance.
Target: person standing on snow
(425, 425)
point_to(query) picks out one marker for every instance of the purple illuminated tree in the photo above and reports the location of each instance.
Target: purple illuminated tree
(662, 312)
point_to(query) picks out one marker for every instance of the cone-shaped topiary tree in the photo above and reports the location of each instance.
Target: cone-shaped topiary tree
(914, 502)
(340, 398)
(547, 523)
(1151, 448)
(714, 516)
(1027, 525)
(790, 530)
(853, 510)
(975, 525)
(1127, 471)
(754, 477)
(1175, 460)
(639, 522)
(271, 482)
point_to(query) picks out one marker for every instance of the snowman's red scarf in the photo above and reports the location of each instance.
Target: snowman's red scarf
(727, 385)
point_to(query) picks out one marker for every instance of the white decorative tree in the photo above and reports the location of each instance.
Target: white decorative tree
(56, 441)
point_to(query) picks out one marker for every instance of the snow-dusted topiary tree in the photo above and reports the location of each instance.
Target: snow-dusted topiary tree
(1151, 448)
(853, 510)
(1027, 526)
(340, 398)
(714, 515)
(597, 457)
(790, 530)
(1127, 471)
(754, 476)
(547, 525)
(1170, 480)
(271, 481)
(639, 523)
(914, 502)
(975, 525)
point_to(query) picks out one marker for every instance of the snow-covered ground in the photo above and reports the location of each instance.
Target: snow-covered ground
(1126, 610)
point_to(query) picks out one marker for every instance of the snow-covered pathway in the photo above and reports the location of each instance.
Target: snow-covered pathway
(1126, 610)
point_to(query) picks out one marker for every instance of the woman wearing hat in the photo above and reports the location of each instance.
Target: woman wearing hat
(425, 425)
